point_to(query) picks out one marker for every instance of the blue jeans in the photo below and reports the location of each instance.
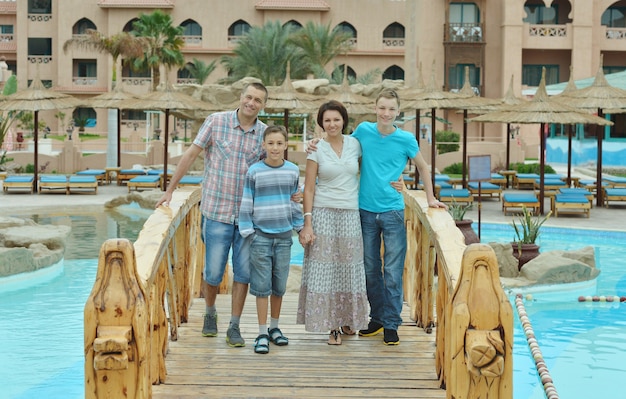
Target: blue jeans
(384, 285)
(270, 259)
(218, 238)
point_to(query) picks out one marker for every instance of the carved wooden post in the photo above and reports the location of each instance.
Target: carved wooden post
(116, 327)
(480, 331)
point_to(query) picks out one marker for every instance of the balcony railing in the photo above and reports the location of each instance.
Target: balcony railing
(39, 17)
(548, 30)
(464, 32)
(6, 37)
(84, 81)
(193, 41)
(130, 81)
(615, 33)
(40, 59)
(393, 42)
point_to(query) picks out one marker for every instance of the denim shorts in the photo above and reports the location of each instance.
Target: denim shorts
(218, 239)
(270, 259)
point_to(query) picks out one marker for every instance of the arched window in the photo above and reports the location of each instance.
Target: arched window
(80, 27)
(614, 17)
(393, 35)
(191, 28)
(294, 24)
(129, 25)
(394, 72)
(238, 28)
(183, 75)
(346, 27)
(337, 75)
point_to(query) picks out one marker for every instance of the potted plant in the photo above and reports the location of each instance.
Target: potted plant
(527, 231)
(457, 211)
(81, 122)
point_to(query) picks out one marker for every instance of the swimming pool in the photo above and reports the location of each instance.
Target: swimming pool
(582, 343)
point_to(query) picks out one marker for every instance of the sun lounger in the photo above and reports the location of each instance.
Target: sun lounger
(581, 191)
(615, 182)
(571, 203)
(497, 178)
(78, 183)
(518, 201)
(456, 195)
(614, 194)
(99, 174)
(188, 180)
(138, 182)
(550, 184)
(486, 189)
(18, 183)
(524, 179)
(53, 183)
(126, 174)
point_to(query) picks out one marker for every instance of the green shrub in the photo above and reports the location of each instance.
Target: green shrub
(531, 168)
(447, 136)
(454, 169)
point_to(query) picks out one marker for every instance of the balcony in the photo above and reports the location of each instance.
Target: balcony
(393, 42)
(39, 17)
(40, 59)
(554, 37)
(612, 39)
(84, 81)
(464, 33)
(192, 41)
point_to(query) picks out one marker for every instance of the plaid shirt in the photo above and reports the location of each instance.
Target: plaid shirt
(228, 153)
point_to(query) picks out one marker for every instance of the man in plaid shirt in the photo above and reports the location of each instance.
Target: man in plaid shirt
(231, 142)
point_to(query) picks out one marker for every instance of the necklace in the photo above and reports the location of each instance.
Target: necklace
(337, 148)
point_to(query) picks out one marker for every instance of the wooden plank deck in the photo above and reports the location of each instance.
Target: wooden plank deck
(200, 367)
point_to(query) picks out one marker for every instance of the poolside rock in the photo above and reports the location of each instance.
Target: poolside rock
(507, 263)
(145, 199)
(26, 246)
(551, 267)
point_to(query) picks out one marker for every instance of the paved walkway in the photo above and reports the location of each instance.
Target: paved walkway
(491, 210)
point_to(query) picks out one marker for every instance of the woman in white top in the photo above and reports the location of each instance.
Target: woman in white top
(332, 293)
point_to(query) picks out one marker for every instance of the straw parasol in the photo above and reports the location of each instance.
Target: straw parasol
(355, 104)
(599, 96)
(543, 110)
(476, 104)
(114, 100)
(167, 100)
(286, 98)
(34, 99)
(433, 98)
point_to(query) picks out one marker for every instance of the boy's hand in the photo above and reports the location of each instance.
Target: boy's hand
(311, 145)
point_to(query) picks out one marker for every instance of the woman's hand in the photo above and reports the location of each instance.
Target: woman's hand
(306, 236)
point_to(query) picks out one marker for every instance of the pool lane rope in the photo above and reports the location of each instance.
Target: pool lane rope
(602, 298)
(540, 364)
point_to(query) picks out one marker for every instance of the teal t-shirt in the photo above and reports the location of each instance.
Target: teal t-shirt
(383, 161)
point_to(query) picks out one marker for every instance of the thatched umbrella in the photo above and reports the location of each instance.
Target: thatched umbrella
(167, 100)
(287, 99)
(355, 104)
(543, 110)
(114, 100)
(476, 104)
(433, 98)
(37, 98)
(599, 96)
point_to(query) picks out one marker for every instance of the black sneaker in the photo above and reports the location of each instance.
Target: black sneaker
(373, 328)
(391, 337)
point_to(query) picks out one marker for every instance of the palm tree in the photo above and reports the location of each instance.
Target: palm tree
(320, 44)
(263, 52)
(163, 44)
(119, 45)
(200, 70)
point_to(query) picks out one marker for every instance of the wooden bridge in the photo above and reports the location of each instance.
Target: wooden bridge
(142, 334)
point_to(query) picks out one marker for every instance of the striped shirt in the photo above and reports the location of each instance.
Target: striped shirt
(267, 204)
(228, 153)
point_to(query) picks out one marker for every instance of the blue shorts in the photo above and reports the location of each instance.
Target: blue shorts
(218, 239)
(270, 259)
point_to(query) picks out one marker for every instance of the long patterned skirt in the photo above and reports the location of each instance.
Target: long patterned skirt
(332, 292)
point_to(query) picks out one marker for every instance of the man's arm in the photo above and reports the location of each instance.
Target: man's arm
(424, 172)
(181, 169)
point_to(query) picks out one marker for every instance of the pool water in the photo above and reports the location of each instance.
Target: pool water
(42, 324)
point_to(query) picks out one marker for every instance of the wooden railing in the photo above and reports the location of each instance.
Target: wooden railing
(474, 318)
(143, 289)
(140, 292)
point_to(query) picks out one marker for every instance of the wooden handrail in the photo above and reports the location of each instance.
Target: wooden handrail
(474, 355)
(141, 289)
